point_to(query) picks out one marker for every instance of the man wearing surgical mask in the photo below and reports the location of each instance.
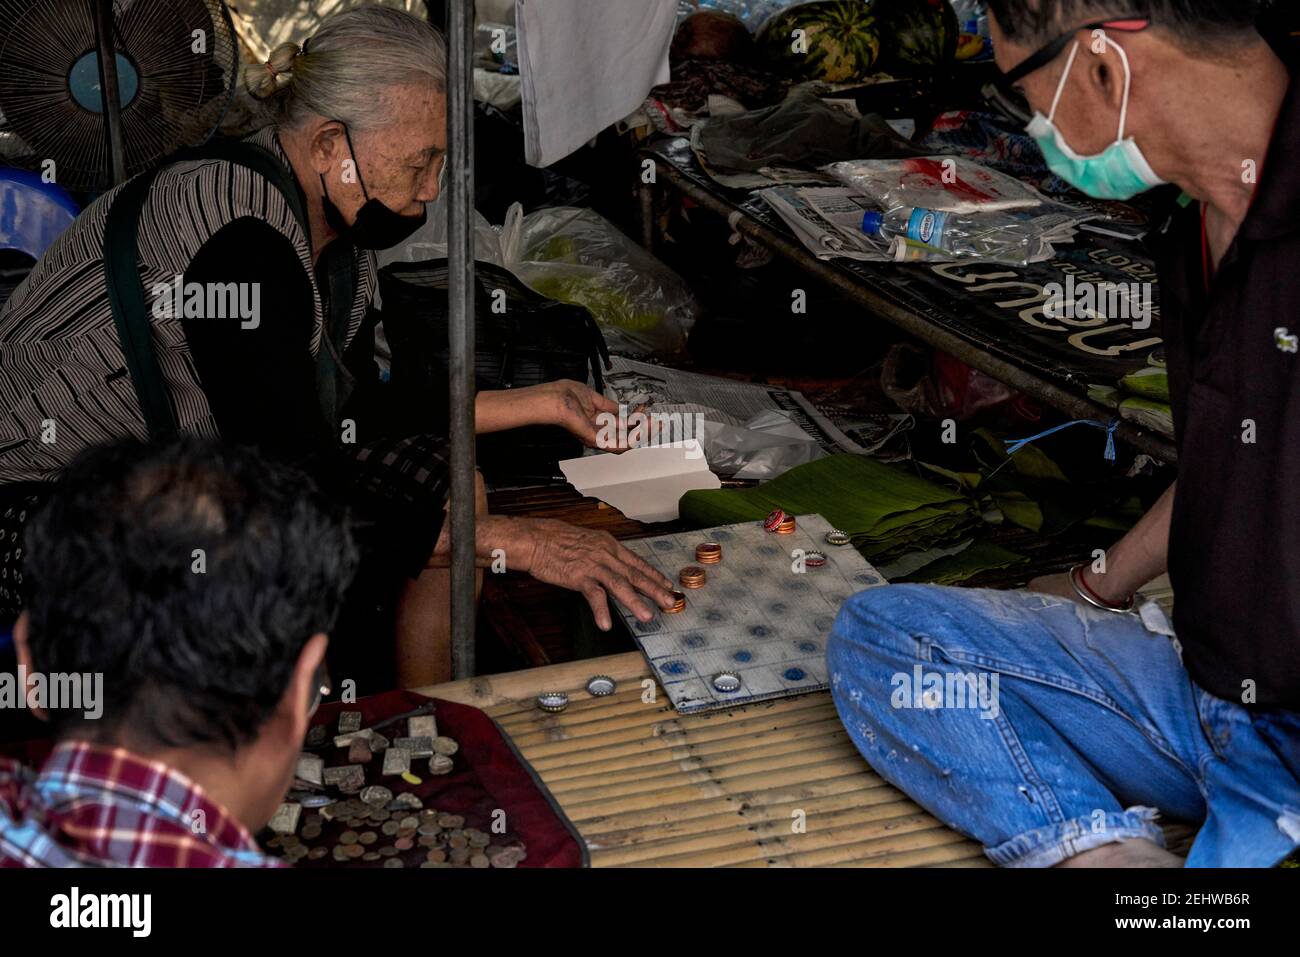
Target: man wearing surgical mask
(1108, 716)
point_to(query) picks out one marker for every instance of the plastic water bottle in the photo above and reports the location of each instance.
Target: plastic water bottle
(993, 237)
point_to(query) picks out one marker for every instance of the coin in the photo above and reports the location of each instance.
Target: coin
(394, 862)
(427, 840)
(388, 850)
(459, 855)
(458, 841)
(338, 853)
(479, 840)
(445, 745)
(370, 856)
(440, 764)
(389, 828)
(422, 726)
(419, 747)
(359, 751)
(450, 821)
(353, 851)
(311, 831)
(437, 855)
(479, 860)
(367, 837)
(429, 829)
(692, 576)
(349, 837)
(787, 526)
(708, 553)
(679, 604)
(406, 801)
(376, 795)
(410, 821)
(403, 844)
(396, 761)
(316, 853)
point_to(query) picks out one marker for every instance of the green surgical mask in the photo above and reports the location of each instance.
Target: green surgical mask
(1121, 171)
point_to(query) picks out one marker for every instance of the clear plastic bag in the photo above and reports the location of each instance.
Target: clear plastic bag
(946, 183)
(575, 255)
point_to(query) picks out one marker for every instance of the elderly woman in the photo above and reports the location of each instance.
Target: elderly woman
(359, 131)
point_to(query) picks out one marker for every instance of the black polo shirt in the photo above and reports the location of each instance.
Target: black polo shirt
(1234, 377)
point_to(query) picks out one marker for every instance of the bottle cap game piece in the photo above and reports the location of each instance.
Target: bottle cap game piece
(679, 604)
(726, 681)
(553, 701)
(708, 553)
(837, 537)
(774, 520)
(692, 576)
(814, 559)
(600, 686)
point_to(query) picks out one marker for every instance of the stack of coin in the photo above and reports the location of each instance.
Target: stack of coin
(708, 553)
(786, 527)
(679, 604)
(692, 576)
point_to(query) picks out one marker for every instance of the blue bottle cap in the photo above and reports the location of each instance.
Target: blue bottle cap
(872, 221)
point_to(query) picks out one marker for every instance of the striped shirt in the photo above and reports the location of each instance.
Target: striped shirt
(93, 806)
(63, 378)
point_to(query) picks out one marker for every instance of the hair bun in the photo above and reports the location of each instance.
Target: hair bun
(264, 80)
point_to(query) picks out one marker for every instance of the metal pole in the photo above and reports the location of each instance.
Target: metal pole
(102, 10)
(460, 255)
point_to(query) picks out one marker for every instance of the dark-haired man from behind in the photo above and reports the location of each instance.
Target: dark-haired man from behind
(202, 582)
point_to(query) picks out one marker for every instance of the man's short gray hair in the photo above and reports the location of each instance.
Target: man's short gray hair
(341, 73)
(1193, 22)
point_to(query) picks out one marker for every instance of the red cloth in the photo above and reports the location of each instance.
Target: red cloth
(488, 775)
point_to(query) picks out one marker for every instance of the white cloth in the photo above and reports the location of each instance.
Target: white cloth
(585, 65)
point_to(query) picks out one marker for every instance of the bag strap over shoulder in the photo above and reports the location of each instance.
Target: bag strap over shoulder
(126, 297)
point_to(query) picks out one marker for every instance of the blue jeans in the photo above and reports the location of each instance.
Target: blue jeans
(1042, 728)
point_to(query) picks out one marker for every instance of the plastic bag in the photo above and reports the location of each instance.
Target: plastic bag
(575, 255)
(945, 183)
(764, 447)
(430, 240)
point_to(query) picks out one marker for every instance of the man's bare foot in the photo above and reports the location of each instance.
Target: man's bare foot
(1133, 853)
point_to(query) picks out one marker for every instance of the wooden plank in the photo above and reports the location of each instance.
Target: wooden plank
(647, 787)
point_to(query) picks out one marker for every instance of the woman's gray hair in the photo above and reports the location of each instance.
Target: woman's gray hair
(341, 73)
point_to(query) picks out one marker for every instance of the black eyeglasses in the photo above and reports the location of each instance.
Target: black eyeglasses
(1002, 95)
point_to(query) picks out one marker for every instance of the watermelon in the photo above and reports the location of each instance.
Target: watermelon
(916, 36)
(839, 43)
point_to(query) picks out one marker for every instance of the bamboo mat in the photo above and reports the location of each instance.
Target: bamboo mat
(647, 787)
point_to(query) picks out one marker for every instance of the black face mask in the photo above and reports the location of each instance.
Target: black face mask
(376, 226)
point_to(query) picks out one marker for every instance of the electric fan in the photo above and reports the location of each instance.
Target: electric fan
(177, 64)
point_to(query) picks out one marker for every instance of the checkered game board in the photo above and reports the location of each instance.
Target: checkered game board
(755, 616)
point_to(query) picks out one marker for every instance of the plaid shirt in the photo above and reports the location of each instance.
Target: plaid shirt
(93, 806)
